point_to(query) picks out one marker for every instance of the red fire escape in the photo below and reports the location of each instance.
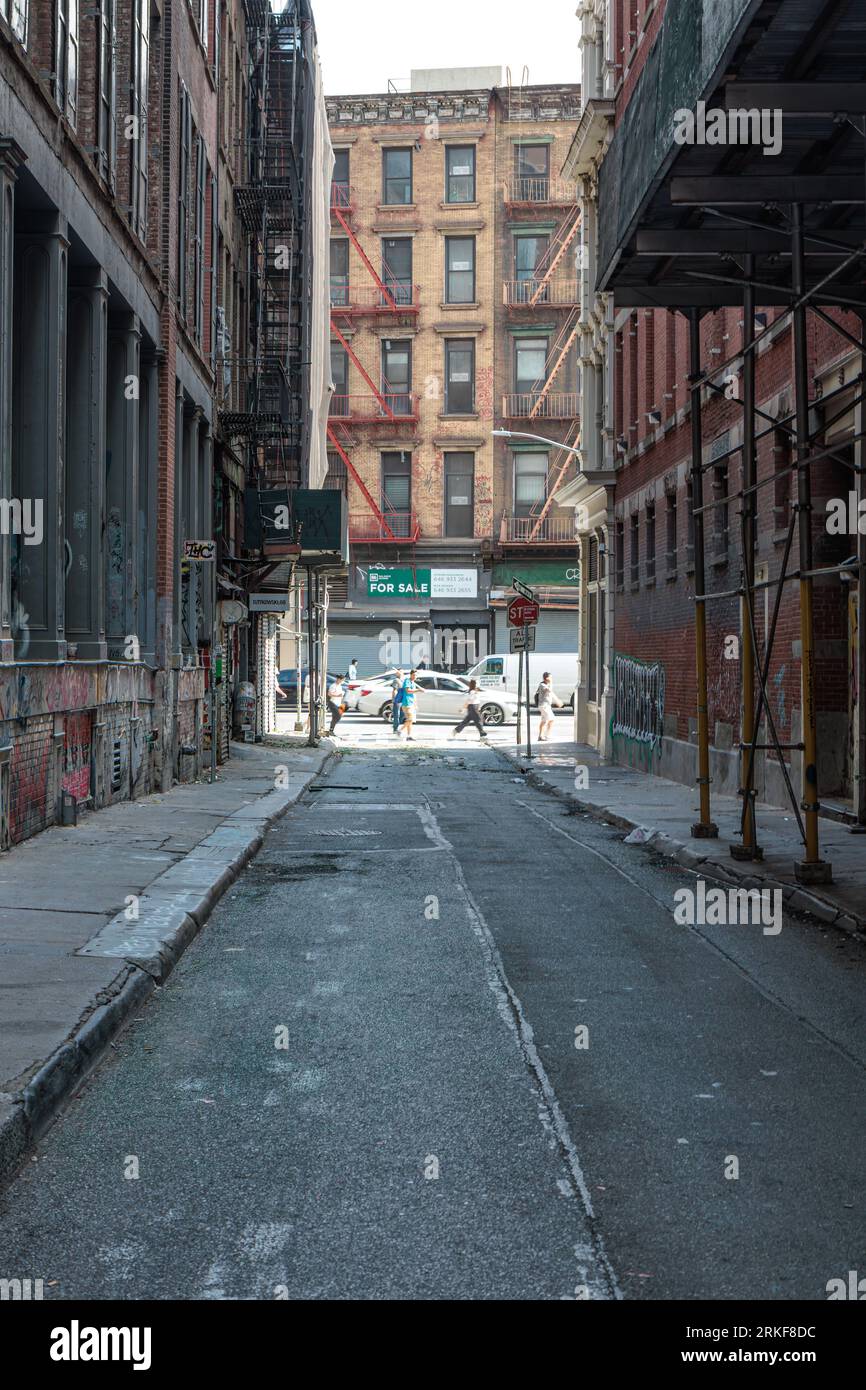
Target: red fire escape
(390, 298)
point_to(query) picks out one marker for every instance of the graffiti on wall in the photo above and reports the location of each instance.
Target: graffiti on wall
(639, 701)
(76, 755)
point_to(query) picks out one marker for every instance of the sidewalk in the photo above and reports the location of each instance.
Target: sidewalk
(93, 917)
(629, 798)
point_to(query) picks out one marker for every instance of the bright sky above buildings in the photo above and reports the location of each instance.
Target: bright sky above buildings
(362, 45)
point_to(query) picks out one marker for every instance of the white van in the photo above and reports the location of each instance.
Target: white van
(499, 672)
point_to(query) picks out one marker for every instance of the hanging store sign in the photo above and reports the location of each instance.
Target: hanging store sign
(269, 603)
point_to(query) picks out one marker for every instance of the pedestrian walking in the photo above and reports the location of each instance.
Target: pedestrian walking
(408, 692)
(472, 712)
(336, 702)
(353, 669)
(397, 700)
(547, 700)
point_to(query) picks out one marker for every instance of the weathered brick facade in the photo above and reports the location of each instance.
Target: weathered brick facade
(106, 638)
(462, 201)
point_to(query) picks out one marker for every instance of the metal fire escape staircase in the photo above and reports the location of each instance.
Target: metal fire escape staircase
(388, 298)
(550, 261)
(571, 441)
(555, 358)
(338, 433)
(269, 204)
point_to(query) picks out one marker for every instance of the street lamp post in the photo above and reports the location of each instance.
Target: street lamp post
(542, 439)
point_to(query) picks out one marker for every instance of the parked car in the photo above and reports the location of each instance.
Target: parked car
(440, 696)
(499, 673)
(288, 683)
(354, 688)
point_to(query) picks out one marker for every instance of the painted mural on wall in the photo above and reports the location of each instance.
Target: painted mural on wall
(639, 702)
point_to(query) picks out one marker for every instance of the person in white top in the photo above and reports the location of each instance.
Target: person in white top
(547, 700)
(353, 669)
(473, 715)
(336, 702)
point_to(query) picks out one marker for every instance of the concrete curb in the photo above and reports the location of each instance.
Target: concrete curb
(686, 853)
(27, 1114)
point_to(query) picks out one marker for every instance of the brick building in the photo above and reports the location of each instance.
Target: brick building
(690, 295)
(454, 311)
(124, 340)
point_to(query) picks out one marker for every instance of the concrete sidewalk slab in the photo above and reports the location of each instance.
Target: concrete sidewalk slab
(74, 964)
(627, 798)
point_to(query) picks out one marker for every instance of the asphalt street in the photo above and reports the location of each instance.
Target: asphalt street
(444, 1040)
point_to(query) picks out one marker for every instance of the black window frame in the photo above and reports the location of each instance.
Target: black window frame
(520, 151)
(453, 346)
(400, 287)
(67, 55)
(390, 179)
(450, 470)
(471, 150)
(399, 399)
(341, 279)
(451, 241)
(520, 345)
(341, 183)
(139, 89)
(523, 507)
(404, 470)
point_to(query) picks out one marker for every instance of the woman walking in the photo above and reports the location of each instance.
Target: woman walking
(336, 702)
(472, 715)
(547, 700)
(397, 700)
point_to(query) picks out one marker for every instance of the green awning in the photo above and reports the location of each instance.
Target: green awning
(549, 573)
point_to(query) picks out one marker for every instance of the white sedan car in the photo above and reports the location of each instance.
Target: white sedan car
(440, 696)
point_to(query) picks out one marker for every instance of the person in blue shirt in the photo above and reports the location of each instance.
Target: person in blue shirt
(408, 692)
(397, 700)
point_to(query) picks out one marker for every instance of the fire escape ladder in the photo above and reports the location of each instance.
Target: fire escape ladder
(377, 512)
(390, 301)
(555, 252)
(557, 356)
(362, 369)
(572, 440)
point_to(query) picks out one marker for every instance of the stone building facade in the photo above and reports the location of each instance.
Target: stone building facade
(124, 346)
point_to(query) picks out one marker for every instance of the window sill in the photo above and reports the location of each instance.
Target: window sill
(396, 207)
(650, 581)
(671, 576)
(719, 562)
(459, 415)
(464, 304)
(447, 207)
(635, 585)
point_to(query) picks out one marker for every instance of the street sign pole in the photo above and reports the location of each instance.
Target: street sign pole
(213, 673)
(528, 696)
(519, 700)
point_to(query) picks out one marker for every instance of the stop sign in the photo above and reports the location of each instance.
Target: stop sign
(522, 612)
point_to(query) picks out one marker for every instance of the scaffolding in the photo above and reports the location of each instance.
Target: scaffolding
(792, 241)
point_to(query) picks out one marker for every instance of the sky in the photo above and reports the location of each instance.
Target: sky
(363, 43)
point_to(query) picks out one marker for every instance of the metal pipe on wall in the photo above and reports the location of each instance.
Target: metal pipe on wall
(705, 828)
(812, 869)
